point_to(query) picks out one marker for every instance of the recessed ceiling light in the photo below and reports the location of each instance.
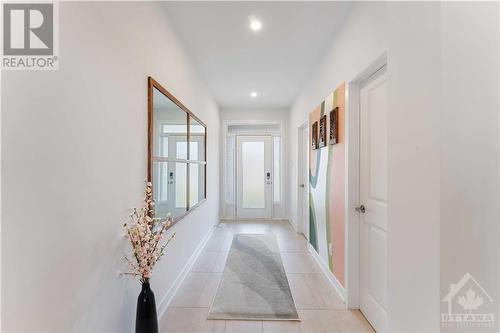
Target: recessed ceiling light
(254, 94)
(255, 24)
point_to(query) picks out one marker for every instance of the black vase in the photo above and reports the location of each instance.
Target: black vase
(146, 320)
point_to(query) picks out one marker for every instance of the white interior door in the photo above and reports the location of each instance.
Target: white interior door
(254, 177)
(303, 180)
(373, 200)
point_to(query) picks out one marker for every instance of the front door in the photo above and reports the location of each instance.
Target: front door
(254, 177)
(373, 200)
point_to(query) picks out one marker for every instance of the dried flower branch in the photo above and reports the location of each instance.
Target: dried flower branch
(145, 233)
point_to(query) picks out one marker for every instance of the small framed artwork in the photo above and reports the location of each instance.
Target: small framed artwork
(322, 131)
(334, 126)
(314, 136)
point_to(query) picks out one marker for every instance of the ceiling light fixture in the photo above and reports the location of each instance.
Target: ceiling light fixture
(255, 24)
(254, 94)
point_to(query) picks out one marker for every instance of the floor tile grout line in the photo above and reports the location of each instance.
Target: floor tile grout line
(187, 307)
(294, 255)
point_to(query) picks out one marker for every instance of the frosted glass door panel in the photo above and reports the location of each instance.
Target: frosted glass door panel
(254, 177)
(253, 173)
(180, 186)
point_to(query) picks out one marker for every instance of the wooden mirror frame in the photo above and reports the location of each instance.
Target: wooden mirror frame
(152, 84)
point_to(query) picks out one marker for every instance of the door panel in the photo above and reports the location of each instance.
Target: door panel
(253, 188)
(254, 178)
(377, 242)
(373, 195)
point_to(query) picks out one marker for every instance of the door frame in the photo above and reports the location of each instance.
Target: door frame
(353, 182)
(230, 214)
(300, 153)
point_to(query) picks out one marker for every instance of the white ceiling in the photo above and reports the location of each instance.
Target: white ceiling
(275, 62)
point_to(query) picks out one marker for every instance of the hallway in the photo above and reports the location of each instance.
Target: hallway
(275, 166)
(319, 306)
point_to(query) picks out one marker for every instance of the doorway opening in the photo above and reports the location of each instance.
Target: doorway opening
(253, 178)
(303, 179)
(366, 224)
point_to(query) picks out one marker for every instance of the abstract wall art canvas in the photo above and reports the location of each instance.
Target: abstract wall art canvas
(334, 126)
(314, 136)
(322, 131)
(327, 185)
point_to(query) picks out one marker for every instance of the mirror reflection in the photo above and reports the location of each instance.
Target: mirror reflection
(197, 160)
(177, 156)
(169, 145)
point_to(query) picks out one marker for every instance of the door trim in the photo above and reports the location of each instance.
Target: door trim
(352, 177)
(300, 153)
(230, 214)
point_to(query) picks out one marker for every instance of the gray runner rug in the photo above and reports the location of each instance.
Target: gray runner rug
(254, 284)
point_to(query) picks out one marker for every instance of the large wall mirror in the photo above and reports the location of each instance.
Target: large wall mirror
(176, 154)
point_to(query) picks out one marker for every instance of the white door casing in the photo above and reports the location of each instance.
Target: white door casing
(373, 196)
(303, 180)
(254, 177)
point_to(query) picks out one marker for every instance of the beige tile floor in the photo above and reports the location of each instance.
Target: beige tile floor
(320, 308)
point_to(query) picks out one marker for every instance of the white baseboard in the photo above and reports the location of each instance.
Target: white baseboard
(169, 295)
(328, 273)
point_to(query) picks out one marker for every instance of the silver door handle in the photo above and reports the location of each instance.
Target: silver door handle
(360, 209)
(302, 185)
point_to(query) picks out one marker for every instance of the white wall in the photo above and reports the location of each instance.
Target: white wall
(255, 114)
(361, 39)
(413, 166)
(442, 142)
(443, 146)
(73, 164)
(470, 142)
